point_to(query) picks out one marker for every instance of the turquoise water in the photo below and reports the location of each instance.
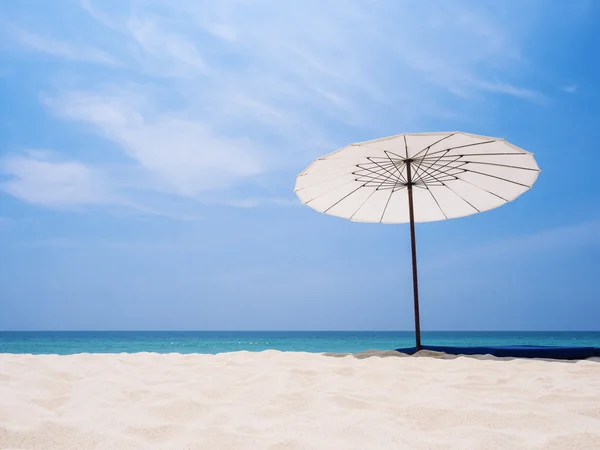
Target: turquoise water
(70, 342)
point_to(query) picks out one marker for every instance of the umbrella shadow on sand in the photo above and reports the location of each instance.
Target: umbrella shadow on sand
(440, 355)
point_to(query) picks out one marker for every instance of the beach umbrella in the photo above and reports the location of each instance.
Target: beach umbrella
(421, 177)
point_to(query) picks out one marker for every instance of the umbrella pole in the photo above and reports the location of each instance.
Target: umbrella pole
(413, 244)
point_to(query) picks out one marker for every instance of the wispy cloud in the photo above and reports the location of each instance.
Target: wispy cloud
(570, 89)
(61, 49)
(164, 52)
(178, 154)
(210, 96)
(41, 178)
(503, 88)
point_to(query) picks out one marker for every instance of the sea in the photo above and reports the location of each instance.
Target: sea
(213, 342)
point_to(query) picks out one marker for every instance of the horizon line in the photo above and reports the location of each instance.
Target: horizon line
(294, 331)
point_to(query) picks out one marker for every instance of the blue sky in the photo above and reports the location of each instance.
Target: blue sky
(148, 153)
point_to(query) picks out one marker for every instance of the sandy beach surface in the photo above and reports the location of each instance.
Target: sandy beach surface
(275, 400)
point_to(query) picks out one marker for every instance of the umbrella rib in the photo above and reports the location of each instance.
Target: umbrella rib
(328, 192)
(485, 190)
(322, 181)
(380, 165)
(447, 162)
(362, 204)
(431, 145)
(387, 164)
(446, 172)
(375, 176)
(502, 165)
(377, 184)
(395, 182)
(405, 146)
(455, 193)
(400, 177)
(463, 146)
(439, 167)
(387, 151)
(439, 179)
(372, 174)
(385, 181)
(475, 154)
(430, 178)
(435, 200)
(386, 205)
(344, 198)
(450, 172)
(386, 158)
(421, 161)
(429, 171)
(305, 174)
(317, 183)
(497, 177)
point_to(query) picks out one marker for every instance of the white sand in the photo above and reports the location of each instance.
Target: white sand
(274, 400)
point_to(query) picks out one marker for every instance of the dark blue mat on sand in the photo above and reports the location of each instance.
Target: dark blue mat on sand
(514, 351)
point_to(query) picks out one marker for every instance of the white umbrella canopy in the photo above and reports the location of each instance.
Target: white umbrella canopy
(421, 177)
(454, 175)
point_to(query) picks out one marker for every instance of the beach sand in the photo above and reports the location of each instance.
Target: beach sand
(274, 400)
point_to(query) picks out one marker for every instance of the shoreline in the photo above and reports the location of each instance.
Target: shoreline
(364, 354)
